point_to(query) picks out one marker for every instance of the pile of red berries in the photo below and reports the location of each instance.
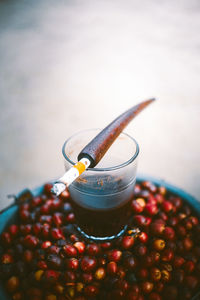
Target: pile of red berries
(43, 257)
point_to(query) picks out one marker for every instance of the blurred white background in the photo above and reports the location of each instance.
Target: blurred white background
(71, 65)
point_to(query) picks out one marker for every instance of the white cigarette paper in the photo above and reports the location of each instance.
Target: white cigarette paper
(70, 176)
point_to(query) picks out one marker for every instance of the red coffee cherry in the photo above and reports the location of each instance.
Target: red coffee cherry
(177, 202)
(151, 200)
(70, 250)
(91, 291)
(167, 206)
(93, 249)
(140, 250)
(54, 261)
(159, 198)
(194, 220)
(12, 284)
(70, 276)
(53, 249)
(178, 261)
(163, 216)
(6, 239)
(80, 246)
(141, 220)
(31, 241)
(143, 237)
(72, 263)
(42, 265)
(87, 277)
(151, 209)
(150, 186)
(111, 268)
(136, 207)
(58, 219)
(134, 291)
(74, 238)
(65, 195)
(155, 255)
(169, 233)
(56, 204)
(7, 258)
(123, 285)
(24, 215)
(189, 267)
(143, 273)
(121, 273)
(57, 234)
(88, 263)
(106, 245)
(28, 256)
(173, 221)
(114, 255)
(187, 244)
(167, 255)
(14, 230)
(157, 228)
(127, 242)
(47, 188)
(46, 244)
(36, 201)
(37, 227)
(148, 261)
(147, 287)
(70, 218)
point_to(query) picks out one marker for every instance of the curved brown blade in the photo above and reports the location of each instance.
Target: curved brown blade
(97, 148)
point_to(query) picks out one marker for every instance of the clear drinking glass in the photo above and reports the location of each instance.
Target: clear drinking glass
(101, 196)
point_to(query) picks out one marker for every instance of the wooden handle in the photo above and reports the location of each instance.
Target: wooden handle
(97, 148)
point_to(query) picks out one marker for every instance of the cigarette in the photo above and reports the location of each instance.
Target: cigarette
(72, 174)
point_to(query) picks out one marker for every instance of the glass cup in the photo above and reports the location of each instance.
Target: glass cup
(101, 196)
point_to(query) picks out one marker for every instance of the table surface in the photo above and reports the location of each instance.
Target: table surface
(71, 65)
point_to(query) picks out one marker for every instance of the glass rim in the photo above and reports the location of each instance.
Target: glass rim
(124, 164)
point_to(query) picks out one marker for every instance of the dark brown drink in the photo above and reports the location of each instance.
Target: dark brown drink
(101, 223)
(105, 214)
